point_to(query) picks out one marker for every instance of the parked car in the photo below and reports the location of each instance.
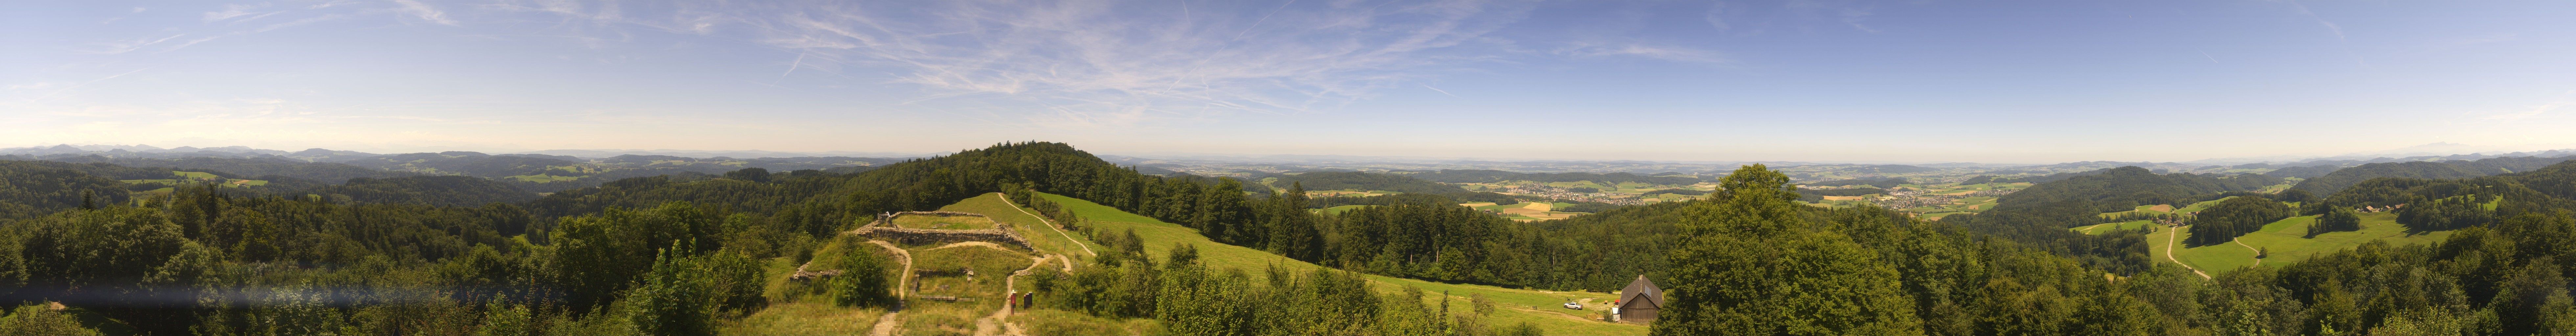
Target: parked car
(1574, 306)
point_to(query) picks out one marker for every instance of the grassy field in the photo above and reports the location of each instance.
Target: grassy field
(978, 295)
(2215, 259)
(188, 177)
(795, 309)
(943, 222)
(1527, 211)
(2108, 227)
(2288, 242)
(1337, 210)
(2197, 207)
(1519, 305)
(1046, 238)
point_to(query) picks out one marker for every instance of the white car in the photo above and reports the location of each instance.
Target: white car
(1574, 306)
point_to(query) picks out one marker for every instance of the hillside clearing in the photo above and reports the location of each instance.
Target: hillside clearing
(1160, 237)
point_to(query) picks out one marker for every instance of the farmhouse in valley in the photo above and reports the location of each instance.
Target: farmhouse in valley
(1640, 301)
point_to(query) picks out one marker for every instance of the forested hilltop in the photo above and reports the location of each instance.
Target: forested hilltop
(707, 253)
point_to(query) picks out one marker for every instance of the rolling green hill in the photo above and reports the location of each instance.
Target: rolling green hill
(1518, 305)
(2336, 181)
(2286, 239)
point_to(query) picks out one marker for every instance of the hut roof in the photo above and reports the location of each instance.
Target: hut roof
(1642, 291)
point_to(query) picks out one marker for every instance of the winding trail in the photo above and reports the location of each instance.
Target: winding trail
(885, 324)
(2170, 235)
(1000, 319)
(2258, 253)
(969, 243)
(1086, 249)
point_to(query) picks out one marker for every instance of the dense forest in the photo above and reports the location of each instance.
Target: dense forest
(670, 254)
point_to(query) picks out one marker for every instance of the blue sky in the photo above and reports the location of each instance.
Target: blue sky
(1904, 81)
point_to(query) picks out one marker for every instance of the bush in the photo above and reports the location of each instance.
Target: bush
(862, 281)
(38, 319)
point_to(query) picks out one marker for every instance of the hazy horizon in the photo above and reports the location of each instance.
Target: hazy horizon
(2435, 149)
(1814, 81)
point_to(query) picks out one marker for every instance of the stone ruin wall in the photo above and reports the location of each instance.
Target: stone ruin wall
(883, 228)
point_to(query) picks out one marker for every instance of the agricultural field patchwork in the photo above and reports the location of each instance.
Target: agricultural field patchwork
(1526, 211)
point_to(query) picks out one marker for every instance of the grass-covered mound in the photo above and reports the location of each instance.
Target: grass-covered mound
(941, 222)
(1537, 307)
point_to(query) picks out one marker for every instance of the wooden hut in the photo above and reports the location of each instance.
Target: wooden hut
(1640, 301)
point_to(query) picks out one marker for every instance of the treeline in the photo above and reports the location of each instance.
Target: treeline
(449, 190)
(1486, 175)
(2141, 216)
(2336, 181)
(2235, 217)
(1191, 299)
(1757, 264)
(1045, 208)
(1337, 180)
(2337, 220)
(1881, 183)
(2048, 178)
(1818, 195)
(2040, 215)
(34, 188)
(2308, 172)
(2439, 204)
(1676, 191)
(200, 261)
(247, 168)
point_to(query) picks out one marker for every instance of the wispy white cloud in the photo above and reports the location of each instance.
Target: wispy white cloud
(2562, 101)
(1667, 53)
(1757, 17)
(1089, 62)
(297, 22)
(2330, 25)
(1717, 16)
(232, 11)
(120, 47)
(1445, 92)
(330, 4)
(65, 89)
(425, 12)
